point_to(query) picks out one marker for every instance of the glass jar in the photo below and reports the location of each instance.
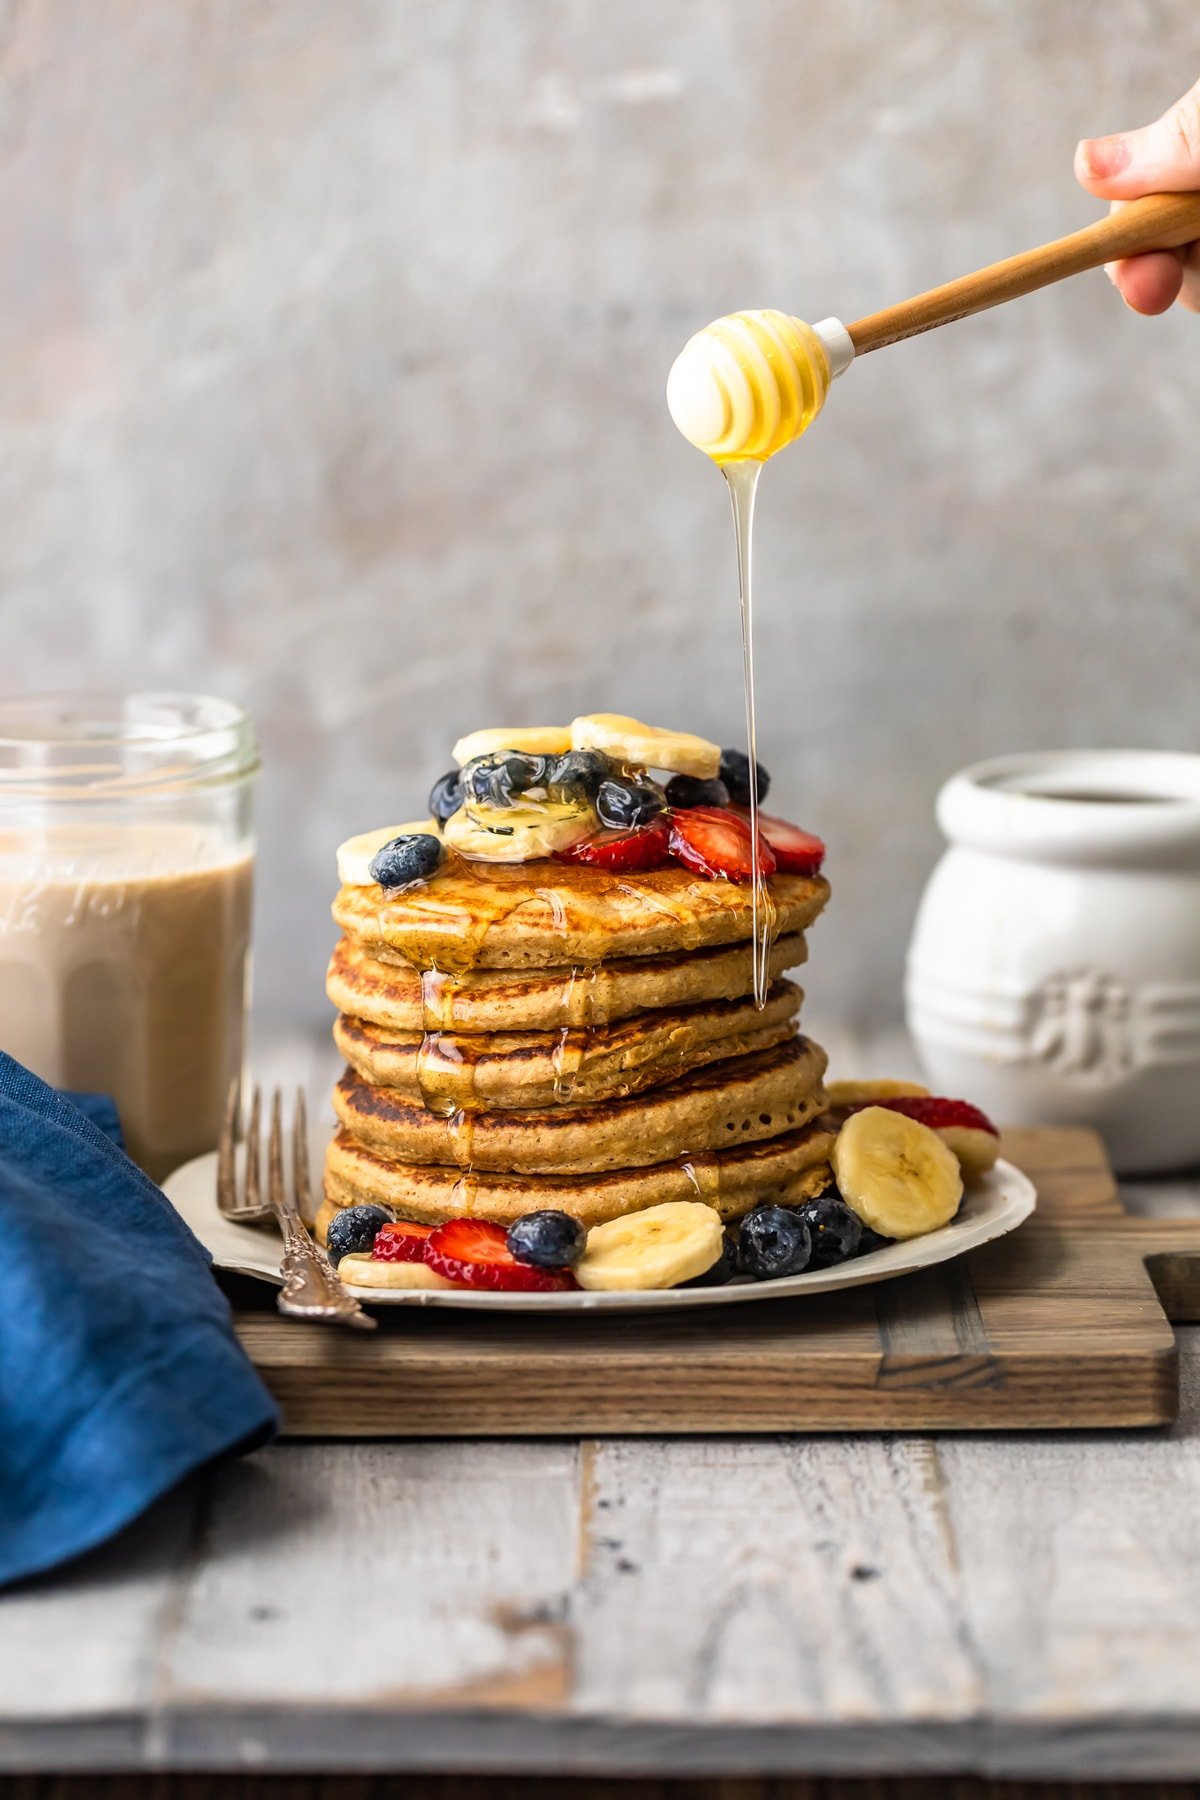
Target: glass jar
(126, 864)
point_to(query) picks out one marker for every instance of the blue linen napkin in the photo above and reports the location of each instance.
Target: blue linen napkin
(119, 1369)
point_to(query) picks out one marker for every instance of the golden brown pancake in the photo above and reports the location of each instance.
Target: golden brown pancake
(446, 1071)
(791, 1167)
(747, 1098)
(390, 993)
(539, 915)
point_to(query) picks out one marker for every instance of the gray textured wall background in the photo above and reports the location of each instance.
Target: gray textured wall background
(332, 344)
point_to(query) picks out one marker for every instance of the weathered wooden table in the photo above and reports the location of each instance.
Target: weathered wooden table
(1012, 1605)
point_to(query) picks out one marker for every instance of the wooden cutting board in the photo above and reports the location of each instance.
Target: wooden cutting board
(1064, 1324)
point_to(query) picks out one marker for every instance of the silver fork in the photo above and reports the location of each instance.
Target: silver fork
(311, 1289)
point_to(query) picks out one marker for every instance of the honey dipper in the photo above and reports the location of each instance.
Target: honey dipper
(748, 384)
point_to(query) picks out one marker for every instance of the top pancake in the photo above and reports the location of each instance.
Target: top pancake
(545, 914)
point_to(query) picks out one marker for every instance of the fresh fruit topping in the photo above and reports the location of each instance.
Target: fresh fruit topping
(940, 1113)
(446, 795)
(796, 852)
(580, 772)
(717, 842)
(504, 779)
(968, 1132)
(871, 1093)
(623, 805)
(835, 1231)
(538, 740)
(548, 1239)
(517, 834)
(620, 851)
(646, 746)
(686, 790)
(402, 1240)
(475, 1254)
(364, 1271)
(735, 773)
(354, 857)
(773, 1241)
(870, 1241)
(722, 1271)
(353, 1230)
(896, 1174)
(404, 860)
(662, 1247)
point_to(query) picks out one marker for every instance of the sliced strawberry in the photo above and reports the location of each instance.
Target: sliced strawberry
(716, 841)
(476, 1254)
(797, 852)
(646, 848)
(933, 1110)
(962, 1127)
(403, 1240)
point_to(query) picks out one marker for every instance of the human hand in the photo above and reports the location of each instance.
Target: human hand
(1158, 159)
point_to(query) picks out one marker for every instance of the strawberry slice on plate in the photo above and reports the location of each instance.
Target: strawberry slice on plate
(646, 848)
(715, 841)
(962, 1127)
(475, 1254)
(797, 852)
(403, 1240)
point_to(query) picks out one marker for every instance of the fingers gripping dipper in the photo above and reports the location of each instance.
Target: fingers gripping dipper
(747, 385)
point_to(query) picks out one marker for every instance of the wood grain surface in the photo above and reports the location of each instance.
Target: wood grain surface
(998, 1615)
(485, 1787)
(1056, 1326)
(1016, 1605)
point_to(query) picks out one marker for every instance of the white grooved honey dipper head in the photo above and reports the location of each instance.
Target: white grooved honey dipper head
(748, 384)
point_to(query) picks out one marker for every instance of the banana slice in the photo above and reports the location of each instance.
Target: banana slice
(657, 1248)
(517, 834)
(898, 1176)
(354, 856)
(628, 740)
(862, 1093)
(535, 740)
(357, 1270)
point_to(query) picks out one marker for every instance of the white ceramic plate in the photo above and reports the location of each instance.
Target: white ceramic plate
(998, 1204)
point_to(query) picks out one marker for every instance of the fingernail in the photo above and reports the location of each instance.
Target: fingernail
(1106, 156)
(1110, 269)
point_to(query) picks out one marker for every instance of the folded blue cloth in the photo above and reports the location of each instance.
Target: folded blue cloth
(119, 1369)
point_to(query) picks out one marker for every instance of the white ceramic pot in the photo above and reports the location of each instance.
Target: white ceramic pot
(1054, 971)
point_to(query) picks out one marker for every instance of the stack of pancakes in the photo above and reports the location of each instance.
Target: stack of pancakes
(521, 1036)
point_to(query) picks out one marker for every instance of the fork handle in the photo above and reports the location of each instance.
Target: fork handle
(311, 1288)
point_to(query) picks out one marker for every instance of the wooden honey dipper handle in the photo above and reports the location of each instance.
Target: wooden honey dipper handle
(1158, 222)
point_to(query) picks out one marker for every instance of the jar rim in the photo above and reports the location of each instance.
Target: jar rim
(1076, 805)
(103, 745)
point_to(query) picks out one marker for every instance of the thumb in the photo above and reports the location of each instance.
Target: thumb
(1159, 158)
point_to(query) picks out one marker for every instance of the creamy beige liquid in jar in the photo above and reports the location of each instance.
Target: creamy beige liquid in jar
(126, 864)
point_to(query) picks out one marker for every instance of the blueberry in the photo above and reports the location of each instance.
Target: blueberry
(581, 772)
(446, 796)
(355, 1228)
(773, 1241)
(406, 859)
(735, 773)
(872, 1240)
(834, 1229)
(622, 805)
(688, 790)
(548, 1240)
(502, 778)
(723, 1270)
